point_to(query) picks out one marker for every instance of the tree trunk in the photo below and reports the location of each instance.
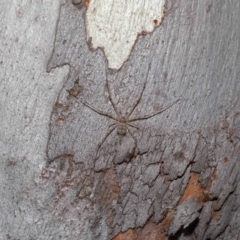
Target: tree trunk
(147, 151)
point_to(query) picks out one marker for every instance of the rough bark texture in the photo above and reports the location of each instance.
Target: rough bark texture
(175, 177)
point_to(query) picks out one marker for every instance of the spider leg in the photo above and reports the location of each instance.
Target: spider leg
(110, 130)
(131, 125)
(111, 100)
(140, 96)
(111, 125)
(153, 114)
(134, 139)
(96, 110)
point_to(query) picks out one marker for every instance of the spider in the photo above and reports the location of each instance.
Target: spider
(123, 123)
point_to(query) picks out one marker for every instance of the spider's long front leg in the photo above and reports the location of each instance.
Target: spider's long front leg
(110, 130)
(153, 114)
(96, 110)
(111, 100)
(140, 96)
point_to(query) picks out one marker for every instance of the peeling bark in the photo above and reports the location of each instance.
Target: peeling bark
(188, 169)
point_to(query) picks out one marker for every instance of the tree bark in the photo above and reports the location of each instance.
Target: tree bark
(68, 173)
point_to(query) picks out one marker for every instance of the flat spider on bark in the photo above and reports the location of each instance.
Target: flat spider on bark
(123, 123)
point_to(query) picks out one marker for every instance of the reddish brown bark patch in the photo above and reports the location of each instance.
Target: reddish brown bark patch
(193, 189)
(225, 159)
(150, 231)
(128, 235)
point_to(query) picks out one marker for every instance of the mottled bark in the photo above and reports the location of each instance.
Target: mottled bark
(174, 175)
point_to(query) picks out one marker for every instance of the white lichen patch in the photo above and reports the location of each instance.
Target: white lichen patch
(114, 25)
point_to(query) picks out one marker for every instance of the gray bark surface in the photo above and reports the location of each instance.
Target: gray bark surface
(175, 176)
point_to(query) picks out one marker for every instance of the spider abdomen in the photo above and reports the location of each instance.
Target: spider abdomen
(121, 129)
(121, 126)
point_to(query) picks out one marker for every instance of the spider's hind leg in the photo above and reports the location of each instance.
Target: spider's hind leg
(133, 137)
(96, 110)
(98, 166)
